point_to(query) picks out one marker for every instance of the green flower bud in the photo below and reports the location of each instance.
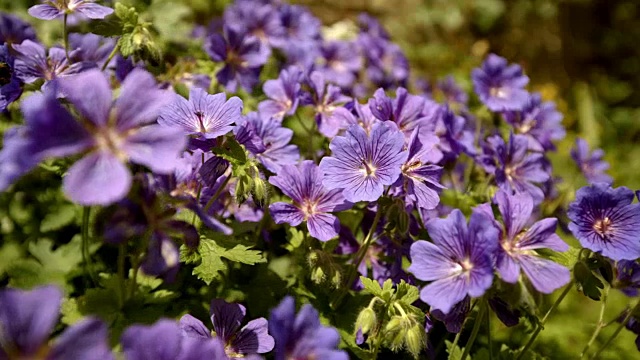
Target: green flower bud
(416, 340)
(366, 320)
(260, 191)
(318, 275)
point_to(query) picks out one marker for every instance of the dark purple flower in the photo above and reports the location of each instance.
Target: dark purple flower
(283, 94)
(14, 30)
(363, 164)
(454, 319)
(514, 168)
(340, 62)
(15, 156)
(51, 9)
(370, 25)
(539, 121)
(519, 242)
(604, 220)
(112, 133)
(163, 341)
(628, 277)
(302, 336)
(500, 86)
(300, 26)
(459, 261)
(592, 165)
(10, 86)
(268, 141)
(242, 55)
(203, 116)
(27, 319)
(312, 202)
(226, 318)
(325, 99)
(454, 132)
(33, 63)
(422, 179)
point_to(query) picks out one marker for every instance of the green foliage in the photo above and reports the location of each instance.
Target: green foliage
(212, 253)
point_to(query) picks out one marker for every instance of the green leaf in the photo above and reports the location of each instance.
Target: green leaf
(296, 237)
(232, 151)
(58, 219)
(371, 286)
(126, 46)
(567, 258)
(8, 253)
(407, 293)
(455, 352)
(212, 253)
(588, 282)
(128, 16)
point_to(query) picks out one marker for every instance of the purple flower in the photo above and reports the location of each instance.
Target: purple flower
(539, 121)
(51, 9)
(302, 336)
(459, 261)
(27, 319)
(312, 202)
(340, 62)
(592, 165)
(500, 86)
(163, 341)
(283, 94)
(10, 86)
(112, 133)
(405, 110)
(203, 116)
(15, 156)
(14, 30)
(226, 318)
(90, 48)
(422, 179)
(519, 242)
(454, 319)
(363, 164)
(452, 91)
(259, 20)
(300, 26)
(513, 167)
(326, 100)
(628, 277)
(604, 220)
(33, 63)
(386, 64)
(268, 141)
(242, 55)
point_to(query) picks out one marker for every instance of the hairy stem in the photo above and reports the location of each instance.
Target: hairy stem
(111, 55)
(217, 194)
(618, 329)
(544, 319)
(600, 324)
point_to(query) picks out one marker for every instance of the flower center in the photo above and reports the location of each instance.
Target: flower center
(509, 172)
(200, 116)
(110, 140)
(369, 169)
(602, 226)
(499, 92)
(466, 265)
(308, 208)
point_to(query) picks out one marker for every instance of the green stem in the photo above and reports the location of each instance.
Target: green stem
(457, 338)
(84, 234)
(359, 257)
(618, 329)
(544, 320)
(599, 325)
(65, 34)
(122, 253)
(488, 317)
(113, 53)
(474, 332)
(217, 194)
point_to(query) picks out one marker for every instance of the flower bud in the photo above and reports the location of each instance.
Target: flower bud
(260, 191)
(366, 320)
(416, 339)
(318, 275)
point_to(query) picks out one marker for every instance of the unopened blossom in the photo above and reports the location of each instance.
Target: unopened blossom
(604, 220)
(51, 9)
(363, 164)
(500, 86)
(227, 318)
(591, 163)
(27, 318)
(301, 335)
(458, 262)
(312, 202)
(519, 241)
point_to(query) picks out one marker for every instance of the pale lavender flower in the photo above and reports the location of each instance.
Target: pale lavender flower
(520, 240)
(340, 62)
(51, 9)
(312, 202)
(363, 164)
(459, 261)
(283, 94)
(325, 99)
(422, 179)
(539, 121)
